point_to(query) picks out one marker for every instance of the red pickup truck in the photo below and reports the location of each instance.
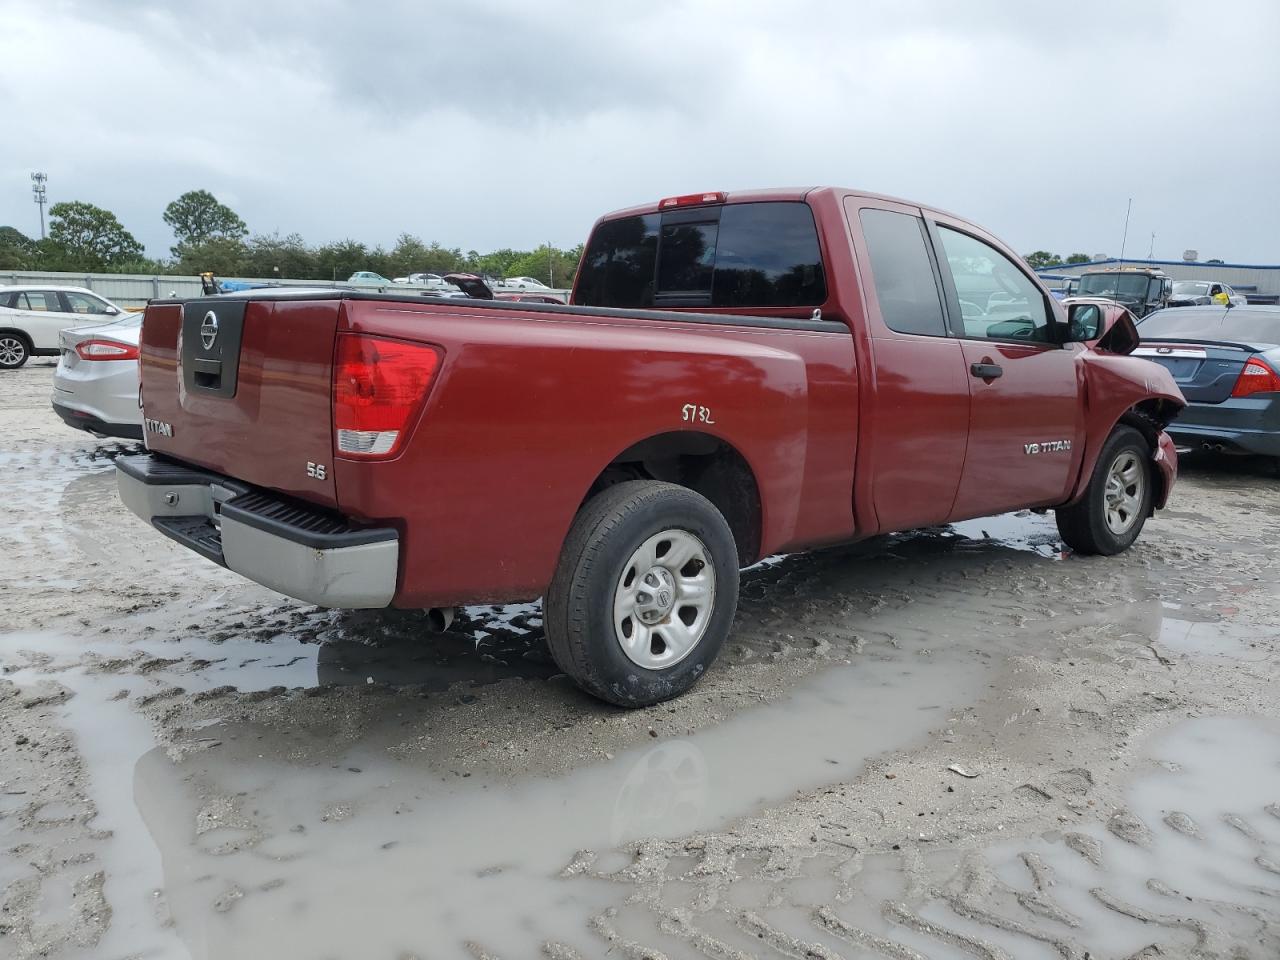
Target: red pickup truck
(736, 375)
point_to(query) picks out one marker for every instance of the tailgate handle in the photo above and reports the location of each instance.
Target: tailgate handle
(986, 370)
(208, 373)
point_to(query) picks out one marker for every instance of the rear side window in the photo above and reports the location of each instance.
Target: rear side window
(617, 268)
(738, 255)
(767, 256)
(903, 273)
(39, 300)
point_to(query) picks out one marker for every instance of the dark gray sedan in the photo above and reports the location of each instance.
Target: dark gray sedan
(1226, 360)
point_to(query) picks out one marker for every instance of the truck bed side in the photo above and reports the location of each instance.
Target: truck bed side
(531, 408)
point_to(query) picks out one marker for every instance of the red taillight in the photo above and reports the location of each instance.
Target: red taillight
(692, 200)
(378, 385)
(106, 350)
(1256, 377)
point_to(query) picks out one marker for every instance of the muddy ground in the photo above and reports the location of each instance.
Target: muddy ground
(956, 743)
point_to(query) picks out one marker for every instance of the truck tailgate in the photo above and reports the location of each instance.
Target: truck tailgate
(243, 387)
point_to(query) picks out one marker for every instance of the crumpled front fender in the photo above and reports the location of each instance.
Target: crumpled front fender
(1165, 457)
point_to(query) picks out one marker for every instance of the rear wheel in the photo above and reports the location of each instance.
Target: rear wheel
(1111, 514)
(644, 593)
(14, 351)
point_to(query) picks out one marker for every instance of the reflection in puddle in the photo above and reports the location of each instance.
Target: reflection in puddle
(425, 858)
(1027, 531)
(1183, 633)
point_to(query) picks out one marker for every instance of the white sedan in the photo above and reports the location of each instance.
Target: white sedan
(524, 283)
(31, 318)
(95, 387)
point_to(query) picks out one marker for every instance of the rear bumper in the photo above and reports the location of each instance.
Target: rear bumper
(293, 548)
(1237, 425)
(84, 420)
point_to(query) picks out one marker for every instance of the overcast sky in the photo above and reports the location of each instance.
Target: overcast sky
(495, 123)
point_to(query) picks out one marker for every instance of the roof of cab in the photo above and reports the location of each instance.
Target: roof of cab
(785, 194)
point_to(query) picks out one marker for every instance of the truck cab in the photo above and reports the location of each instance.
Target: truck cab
(1142, 290)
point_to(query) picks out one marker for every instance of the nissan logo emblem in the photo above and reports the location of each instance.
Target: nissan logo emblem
(209, 330)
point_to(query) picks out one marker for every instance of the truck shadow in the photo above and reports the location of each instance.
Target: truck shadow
(836, 587)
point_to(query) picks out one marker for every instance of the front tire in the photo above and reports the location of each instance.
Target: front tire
(1117, 502)
(15, 350)
(644, 593)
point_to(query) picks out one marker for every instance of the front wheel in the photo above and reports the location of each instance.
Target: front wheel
(14, 351)
(644, 593)
(1117, 502)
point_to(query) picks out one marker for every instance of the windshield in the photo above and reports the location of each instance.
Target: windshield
(1190, 288)
(1123, 286)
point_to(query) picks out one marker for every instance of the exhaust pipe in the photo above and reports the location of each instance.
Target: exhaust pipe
(440, 618)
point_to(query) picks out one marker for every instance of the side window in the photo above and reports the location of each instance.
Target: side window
(902, 272)
(997, 300)
(41, 301)
(82, 304)
(767, 255)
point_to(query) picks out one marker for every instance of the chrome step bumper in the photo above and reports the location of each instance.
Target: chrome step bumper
(294, 548)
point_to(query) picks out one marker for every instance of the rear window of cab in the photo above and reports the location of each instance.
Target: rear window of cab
(733, 255)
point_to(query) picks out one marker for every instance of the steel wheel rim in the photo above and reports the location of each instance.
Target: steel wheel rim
(12, 350)
(664, 599)
(1122, 496)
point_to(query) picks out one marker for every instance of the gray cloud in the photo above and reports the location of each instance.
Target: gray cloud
(499, 123)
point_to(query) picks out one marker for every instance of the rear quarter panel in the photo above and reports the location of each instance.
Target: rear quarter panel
(528, 410)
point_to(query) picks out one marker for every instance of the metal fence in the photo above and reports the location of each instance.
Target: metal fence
(134, 290)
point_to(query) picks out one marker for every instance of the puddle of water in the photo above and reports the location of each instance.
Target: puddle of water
(1024, 531)
(427, 860)
(1182, 631)
(1213, 894)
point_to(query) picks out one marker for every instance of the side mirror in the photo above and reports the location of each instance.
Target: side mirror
(1084, 322)
(111, 311)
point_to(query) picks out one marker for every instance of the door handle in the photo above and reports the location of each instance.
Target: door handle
(986, 370)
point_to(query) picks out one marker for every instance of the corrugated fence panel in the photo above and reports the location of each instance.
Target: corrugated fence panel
(134, 290)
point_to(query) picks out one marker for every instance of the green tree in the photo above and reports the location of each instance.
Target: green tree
(1079, 258)
(85, 237)
(17, 251)
(272, 256)
(337, 261)
(224, 256)
(552, 266)
(496, 264)
(1042, 258)
(197, 217)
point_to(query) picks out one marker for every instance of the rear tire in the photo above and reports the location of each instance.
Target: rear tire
(644, 593)
(1117, 502)
(15, 350)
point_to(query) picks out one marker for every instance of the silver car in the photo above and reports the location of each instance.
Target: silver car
(95, 387)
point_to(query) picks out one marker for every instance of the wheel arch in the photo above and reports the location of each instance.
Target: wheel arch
(21, 334)
(704, 463)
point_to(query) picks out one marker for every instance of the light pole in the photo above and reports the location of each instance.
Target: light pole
(37, 190)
